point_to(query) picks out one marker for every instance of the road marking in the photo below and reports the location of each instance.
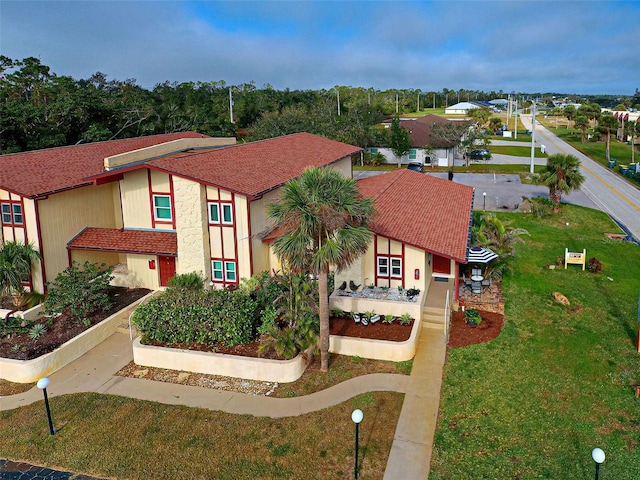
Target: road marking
(596, 176)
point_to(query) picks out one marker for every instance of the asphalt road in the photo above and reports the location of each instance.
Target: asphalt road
(610, 192)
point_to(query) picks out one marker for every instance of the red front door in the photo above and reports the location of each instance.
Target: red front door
(167, 269)
(441, 264)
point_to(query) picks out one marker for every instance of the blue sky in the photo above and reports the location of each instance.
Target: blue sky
(586, 47)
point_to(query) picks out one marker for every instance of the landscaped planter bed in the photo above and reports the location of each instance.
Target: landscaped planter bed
(375, 348)
(27, 371)
(212, 363)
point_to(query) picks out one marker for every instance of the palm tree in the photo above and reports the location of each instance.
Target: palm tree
(15, 265)
(608, 122)
(583, 122)
(561, 175)
(325, 224)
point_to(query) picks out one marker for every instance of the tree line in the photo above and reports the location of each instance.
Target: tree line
(40, 109)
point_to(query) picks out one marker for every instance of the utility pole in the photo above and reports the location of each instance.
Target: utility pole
(418, 104)
(231, 104)
(533, 134)
(338, 91)
(396, 103)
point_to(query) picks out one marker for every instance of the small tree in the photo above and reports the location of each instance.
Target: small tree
(480, 115)
(399, 140)
(561, 175)
(82, 290)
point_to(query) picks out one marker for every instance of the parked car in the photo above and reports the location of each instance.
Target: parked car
(480, 154)
(415, 166)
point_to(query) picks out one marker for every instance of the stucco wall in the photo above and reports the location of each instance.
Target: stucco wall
(191, 226)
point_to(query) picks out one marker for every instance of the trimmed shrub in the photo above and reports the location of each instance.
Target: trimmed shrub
(191, 281)
(594, 265)
(181, 315)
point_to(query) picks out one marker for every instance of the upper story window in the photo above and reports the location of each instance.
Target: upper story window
(162, 208)
(220, 213)
(11, 213)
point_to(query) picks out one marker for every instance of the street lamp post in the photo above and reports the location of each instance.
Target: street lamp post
(598, 456)
(484, 201)
(42, 384)
(356, 416)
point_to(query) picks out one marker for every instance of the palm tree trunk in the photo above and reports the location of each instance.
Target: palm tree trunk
(323, 292)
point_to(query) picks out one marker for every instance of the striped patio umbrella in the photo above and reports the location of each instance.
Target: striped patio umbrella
(481, 255)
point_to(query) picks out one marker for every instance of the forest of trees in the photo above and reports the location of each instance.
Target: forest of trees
(39, 109)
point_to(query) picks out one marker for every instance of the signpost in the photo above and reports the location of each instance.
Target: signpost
(575, 258)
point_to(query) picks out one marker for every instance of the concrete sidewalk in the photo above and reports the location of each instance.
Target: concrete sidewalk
(411, 451)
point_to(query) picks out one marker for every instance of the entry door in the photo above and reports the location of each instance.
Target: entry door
(167, 269)
(441, 264)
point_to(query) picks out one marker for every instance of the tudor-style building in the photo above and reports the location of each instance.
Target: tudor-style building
(156, 206)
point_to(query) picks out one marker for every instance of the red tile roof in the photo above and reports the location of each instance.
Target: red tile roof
(255, 168)
(41, 172)
(143, 242)
(421, 210)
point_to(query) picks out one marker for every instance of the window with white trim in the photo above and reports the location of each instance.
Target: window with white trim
(162, 208)
(413, 154)
(224, 271)
(389, 267)
(220, 213)
(11, 213)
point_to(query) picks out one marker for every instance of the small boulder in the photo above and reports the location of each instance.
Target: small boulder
(560, 298)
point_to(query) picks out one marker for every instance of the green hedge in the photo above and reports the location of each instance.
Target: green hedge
(180, 315)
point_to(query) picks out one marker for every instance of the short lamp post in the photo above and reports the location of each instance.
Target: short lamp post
(356, 416)
(598, 456)
(42, 384)
(484, 201)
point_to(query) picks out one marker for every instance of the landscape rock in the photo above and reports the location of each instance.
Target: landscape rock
(560, 298)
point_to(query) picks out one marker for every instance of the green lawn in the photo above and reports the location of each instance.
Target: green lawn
(557, 382)
(517, 151)
(109, 436)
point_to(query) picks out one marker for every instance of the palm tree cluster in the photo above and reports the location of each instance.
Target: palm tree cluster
(15, 267)
(324, 220)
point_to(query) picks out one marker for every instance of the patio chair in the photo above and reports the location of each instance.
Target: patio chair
(476, 287)
(476, 272)
(486, 282)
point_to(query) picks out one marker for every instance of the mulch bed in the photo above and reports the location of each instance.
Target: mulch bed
(394, 331)
(19, 346)
(344, 326)
(462, 334)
